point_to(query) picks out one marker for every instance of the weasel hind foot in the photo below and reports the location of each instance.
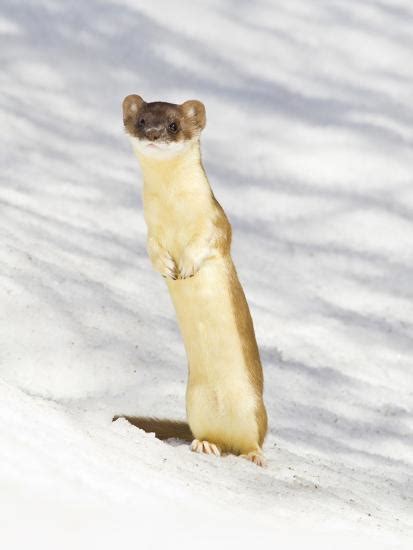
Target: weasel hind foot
(256, 457)
(205, 447)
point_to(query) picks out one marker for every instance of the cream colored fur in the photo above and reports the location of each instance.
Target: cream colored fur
(189, 244)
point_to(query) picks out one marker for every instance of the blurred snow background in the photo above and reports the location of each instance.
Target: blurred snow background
(308, 147)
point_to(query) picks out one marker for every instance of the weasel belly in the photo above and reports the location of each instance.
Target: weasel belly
(222, 402)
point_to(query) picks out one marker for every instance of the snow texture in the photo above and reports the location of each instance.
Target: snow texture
(308, 147)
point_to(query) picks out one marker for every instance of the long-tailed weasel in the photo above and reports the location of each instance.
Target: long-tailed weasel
(189, 239)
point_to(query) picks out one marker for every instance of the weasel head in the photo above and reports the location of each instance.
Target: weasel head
(162, 130)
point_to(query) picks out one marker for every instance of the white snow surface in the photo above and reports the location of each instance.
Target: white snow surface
(308, 147)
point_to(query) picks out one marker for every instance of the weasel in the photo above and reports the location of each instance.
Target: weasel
(189, 239)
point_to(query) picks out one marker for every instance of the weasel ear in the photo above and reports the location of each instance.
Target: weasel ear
(195, 111)
(131, 106)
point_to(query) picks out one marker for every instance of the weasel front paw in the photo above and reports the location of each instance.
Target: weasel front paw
(188, 266)
(164, 263)
(161, 260)
(168, 267)
(205, 447)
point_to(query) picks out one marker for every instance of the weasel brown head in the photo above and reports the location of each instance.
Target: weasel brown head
(161, 129)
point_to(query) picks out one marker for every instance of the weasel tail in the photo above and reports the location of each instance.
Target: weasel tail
(189, 240)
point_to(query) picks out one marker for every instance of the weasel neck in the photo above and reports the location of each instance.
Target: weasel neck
(183, 172)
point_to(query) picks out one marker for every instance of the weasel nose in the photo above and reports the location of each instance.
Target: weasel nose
(153, 134)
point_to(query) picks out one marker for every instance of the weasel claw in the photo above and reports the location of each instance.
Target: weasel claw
(205, 447)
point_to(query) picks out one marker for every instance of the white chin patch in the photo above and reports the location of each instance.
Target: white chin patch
(158, 150)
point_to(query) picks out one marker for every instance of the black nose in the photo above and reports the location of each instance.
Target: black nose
(153, 134)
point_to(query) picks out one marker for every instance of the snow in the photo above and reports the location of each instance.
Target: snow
(308, 147)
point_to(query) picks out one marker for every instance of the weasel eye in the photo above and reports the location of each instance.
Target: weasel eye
(141, 123)
(173, 127)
